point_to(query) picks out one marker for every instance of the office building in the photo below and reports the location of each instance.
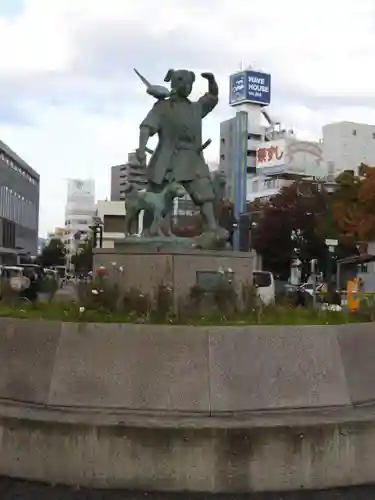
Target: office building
(19, 207)
(347, 144)
(41, 244)
(79, 212)
(129, 173)
(229, 145)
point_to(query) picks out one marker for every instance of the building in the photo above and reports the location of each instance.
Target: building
(112, 214)
(19, 207)
(41, 244)
(348, 144)
(129, 173)
(229, 151)
(58, 234)
(80, 208)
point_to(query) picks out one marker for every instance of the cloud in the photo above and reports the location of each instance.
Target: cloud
(70, 103)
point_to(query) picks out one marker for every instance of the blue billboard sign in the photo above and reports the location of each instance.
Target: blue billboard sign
(250, 87)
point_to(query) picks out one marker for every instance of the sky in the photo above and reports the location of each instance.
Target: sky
(70, 103)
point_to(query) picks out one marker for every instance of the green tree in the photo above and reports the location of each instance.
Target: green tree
(53, 254)
(83, 258)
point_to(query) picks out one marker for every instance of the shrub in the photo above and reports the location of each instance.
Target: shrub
(162, 309)
(7, 294)
(135, 303)
(49, 286)
(226, 300)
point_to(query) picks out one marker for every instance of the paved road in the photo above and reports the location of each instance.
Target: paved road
(19, 490)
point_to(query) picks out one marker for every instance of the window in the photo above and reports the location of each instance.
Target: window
(113, 223)
(252, 153)
(222, 157)
(354, 132)
(373, 135)
(256, 137)
(222, 140)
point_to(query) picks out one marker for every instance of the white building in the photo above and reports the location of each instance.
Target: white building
(79, 211)
(112, 214)
(348, 144)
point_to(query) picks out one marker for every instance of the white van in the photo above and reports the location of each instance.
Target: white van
(264, 283)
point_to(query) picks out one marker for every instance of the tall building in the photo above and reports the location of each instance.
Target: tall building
(347, 144)
(41, 244)
(80, 208)
(19, 207)
(229, 145)
(129, 173)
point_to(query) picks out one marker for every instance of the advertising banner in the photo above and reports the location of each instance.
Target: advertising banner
(81, 188)
(271, 156)
(250, 87)
(289, 155)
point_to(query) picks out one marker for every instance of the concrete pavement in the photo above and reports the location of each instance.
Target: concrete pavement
(11, 489)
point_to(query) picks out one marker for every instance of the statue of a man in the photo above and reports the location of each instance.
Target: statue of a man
(178, 155)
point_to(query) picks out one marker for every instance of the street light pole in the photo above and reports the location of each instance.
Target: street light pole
(295, 277)
(329, 189)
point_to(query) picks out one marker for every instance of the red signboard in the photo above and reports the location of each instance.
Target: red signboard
(269, 154)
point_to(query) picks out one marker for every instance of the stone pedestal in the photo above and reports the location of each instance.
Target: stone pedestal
(145, 268)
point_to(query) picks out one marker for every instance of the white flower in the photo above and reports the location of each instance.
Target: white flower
(331, 307)
(230, 270)
(94, 292)
(102, 268)
(101, 290)
(121, 269)
(114, 264)
(335, 307)
(81, 310)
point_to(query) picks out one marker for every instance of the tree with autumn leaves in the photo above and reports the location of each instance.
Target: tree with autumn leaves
(298, 207)
(306, 207)
(353, 205)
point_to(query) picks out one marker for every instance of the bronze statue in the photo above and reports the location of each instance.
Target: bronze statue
(158, 204)
(178, 156)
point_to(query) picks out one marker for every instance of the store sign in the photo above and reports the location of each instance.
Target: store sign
(290, 156)
(271, 155)
(250, 87)
(78, 188)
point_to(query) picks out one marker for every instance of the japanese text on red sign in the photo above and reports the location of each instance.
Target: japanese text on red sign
(268, 154)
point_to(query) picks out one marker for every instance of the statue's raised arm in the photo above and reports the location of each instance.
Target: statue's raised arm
(210, 99)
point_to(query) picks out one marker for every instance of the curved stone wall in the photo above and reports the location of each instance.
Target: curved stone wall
(187, 408)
